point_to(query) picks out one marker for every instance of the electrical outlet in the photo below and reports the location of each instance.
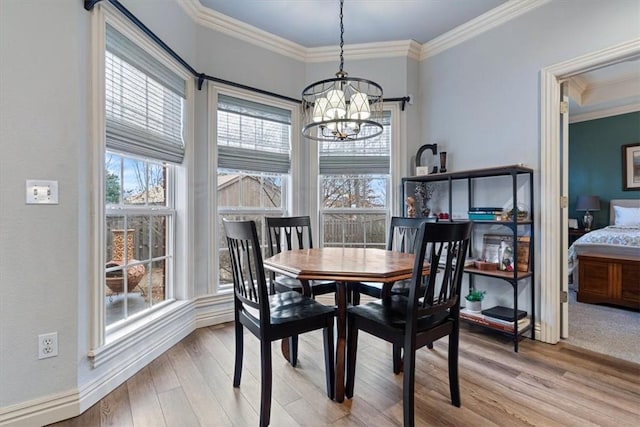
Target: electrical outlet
(47, 345)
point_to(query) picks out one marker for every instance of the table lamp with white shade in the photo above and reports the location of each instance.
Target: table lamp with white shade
(587, 204)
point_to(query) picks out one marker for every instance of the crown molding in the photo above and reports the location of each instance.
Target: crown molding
(485, 22)
(240, 30)
(577, 87)
(600, 114)
(402, 48)
(237, 29)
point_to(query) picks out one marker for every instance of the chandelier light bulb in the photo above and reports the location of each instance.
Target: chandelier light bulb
(336, 108)
(319, 108)
(359, 106)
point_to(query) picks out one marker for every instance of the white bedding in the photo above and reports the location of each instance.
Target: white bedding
(614, 240)
(611, 240)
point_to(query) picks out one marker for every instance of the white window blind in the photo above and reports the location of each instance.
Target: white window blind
(144, 102)
(253, 136)
(369, 156)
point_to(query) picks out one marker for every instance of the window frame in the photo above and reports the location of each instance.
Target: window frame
(102, 342)
(395, 173)
(289, 205)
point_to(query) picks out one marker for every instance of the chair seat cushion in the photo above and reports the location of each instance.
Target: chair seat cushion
(293, 306)
(392, 313)
(374, 289)
(318, 287)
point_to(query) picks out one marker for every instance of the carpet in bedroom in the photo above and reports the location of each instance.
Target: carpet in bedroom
(604, 329)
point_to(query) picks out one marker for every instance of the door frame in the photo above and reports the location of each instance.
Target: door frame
(552, 163)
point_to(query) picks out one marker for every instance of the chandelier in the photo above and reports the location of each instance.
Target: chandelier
(342, 108)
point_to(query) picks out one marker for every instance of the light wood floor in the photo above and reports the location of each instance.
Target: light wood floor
(542, 385)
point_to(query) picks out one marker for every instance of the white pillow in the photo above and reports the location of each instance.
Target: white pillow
(626, 216)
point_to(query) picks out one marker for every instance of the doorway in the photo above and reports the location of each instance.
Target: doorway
(553, 199)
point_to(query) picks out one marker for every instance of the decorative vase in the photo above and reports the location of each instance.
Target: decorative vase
(115, 279)
(475, 306)
(443, 161)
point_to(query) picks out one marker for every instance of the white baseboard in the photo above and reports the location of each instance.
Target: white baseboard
(131, 357)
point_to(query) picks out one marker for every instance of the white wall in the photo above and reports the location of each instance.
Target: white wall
(480, 101)
(43, 135)
(45, 254)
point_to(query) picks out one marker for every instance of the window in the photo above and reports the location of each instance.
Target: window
(139, 223)
(144, 126)
(253, 170)
(354, 181)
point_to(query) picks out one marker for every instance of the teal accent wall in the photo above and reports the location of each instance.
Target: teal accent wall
(595, 161)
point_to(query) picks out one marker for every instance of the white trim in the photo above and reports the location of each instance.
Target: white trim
(126, 340)
(101, 15)
(179, 322)
(485, 22)
(550, 177)
(214, 310)
(608, 112)
(401, 48)
(213, 89)
(98, 144)
(240, 30)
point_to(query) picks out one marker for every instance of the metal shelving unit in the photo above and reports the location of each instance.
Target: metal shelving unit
(515, 277)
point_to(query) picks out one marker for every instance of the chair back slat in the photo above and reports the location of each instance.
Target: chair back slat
(287, 233)
(444, 246)
(249, 281)
(403, 233)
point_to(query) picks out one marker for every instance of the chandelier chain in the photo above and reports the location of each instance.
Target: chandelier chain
(341, 38)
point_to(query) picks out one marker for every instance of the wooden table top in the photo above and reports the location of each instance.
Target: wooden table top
(343, 264)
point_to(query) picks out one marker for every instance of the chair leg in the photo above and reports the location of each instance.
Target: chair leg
(355, 293)
(293, 350)
(408, 386)
(329, 364)
(352, 347)
(397, 359)
(454, 385)
(265, 392)
(237, 372)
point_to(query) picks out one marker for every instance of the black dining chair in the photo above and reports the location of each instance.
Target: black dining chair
(270, 317)
(402, 238)
(287, 233)
(424, 315)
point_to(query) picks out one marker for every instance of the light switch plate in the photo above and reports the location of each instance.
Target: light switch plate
(42, 192)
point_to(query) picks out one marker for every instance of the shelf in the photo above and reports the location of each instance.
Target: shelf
(505, 223)
(506, 275)
(494, 324)
(501, 329)
(473, 173)
(516, 230)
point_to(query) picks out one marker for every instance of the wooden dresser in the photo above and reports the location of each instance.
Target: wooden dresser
(609, 281)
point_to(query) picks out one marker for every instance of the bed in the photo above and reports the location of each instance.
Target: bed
(605, 263)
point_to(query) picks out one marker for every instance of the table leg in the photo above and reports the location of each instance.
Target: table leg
(341, 345)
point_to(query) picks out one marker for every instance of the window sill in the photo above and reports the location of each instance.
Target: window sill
(157, 327)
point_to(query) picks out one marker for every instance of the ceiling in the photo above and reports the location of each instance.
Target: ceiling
(316, 23)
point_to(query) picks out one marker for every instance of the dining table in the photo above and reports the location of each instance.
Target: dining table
(344, 266)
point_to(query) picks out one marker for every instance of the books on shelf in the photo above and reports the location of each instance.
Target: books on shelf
(483, 216)
(493, 322)
(485, 213)
(486, 209)
(504, 313)
(488, 213)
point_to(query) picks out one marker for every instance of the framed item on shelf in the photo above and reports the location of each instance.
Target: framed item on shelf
(496, 248)
(631, 167)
